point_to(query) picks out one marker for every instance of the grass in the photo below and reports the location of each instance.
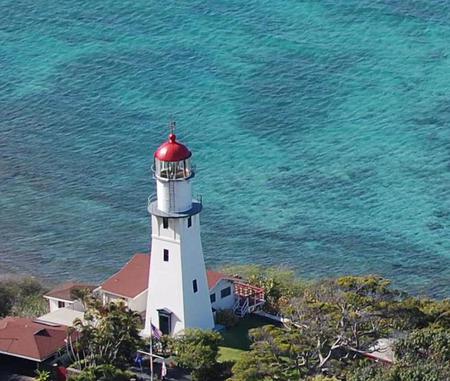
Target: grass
(229, 354)
(236, 340)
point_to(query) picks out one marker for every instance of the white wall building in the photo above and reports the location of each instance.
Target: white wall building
(171, 287)
(129, 284)
(61, 296)
(221, 291)
(225, 292)
(179, 294)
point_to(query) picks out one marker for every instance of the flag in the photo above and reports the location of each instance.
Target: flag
(163, 370)
(138, 360)
(156, 333)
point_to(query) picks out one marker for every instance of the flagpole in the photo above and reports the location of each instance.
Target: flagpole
(151, 350)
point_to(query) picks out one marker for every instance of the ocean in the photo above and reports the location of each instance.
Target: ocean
(320, 131)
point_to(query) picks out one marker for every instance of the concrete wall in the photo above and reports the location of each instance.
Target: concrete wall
(53, 305)
(181, 189)
(139, 303)
(107, 298)
(228, 301)
(171, 282)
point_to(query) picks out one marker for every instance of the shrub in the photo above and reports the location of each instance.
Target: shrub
(279, 283)
(226, 318)
(103, 373)
(198, 350)
(42, 375)
(22, 297)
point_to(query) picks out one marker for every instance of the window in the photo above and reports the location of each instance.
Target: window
(165, 222)
(189, 221)
(225, 292)
(61, 304)
(212, 298)
(166, 255)
(194, 285)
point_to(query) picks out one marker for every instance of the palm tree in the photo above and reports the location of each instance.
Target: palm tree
(108, 335)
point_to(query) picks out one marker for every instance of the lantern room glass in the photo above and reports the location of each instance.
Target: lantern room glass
(173, 170)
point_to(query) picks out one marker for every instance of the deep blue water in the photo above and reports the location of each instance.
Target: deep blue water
(320, 130)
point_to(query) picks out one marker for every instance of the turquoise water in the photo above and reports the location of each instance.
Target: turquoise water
(320, 131)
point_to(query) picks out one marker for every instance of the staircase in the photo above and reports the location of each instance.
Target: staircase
(241, 307)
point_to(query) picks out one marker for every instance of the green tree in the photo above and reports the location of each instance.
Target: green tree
(6, 300)
(103, 373)
(328, 321)
(423, 355)
(108, 335)
(198, 350)
(279, 283)
(42, 375)
(22, 297)
(84, 295)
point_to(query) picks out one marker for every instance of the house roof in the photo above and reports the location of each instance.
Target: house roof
(22, 337)
(64, 291)
(172, 150)
(132, 279)
(63, 316)
(215, 277)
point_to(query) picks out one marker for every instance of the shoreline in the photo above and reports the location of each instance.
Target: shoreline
(49, 281)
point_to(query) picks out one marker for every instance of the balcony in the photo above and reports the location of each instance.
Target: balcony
(152, 206)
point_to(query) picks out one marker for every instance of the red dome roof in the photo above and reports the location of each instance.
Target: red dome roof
(172, 150)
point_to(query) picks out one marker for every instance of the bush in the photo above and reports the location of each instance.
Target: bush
(198, 350)
(42, 375)
(226, 318)
(103, 373)
(279, 283)
(22, 297)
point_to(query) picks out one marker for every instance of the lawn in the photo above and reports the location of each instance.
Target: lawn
(236, 340)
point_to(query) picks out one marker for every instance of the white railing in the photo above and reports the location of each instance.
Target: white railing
(241, 310)
(236, 305)
(244, 308)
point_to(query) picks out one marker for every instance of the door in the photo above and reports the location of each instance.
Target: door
(164, 323)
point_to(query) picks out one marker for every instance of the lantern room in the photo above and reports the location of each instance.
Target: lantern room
(173, 161)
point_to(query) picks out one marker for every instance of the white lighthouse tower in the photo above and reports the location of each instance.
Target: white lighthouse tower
(178, 294)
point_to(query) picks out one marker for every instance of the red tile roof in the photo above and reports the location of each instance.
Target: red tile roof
(132, 279)
(64, 291)
(26, 338)
(214, 277)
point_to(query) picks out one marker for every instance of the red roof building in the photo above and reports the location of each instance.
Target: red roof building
(131, 285)
(61, 296)
(215, 277)
(31, 340)
(131, 280)
(64, 291)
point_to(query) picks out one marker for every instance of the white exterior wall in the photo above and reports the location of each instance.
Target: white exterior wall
(108, 298)
(76, 306)
(73, 305)
(170, 283)
(223, 303)
(174, 196)
(197, 306)
(139, 303)
(53, 304)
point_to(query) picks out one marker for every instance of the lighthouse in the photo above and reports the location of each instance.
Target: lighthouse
(178, 294)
